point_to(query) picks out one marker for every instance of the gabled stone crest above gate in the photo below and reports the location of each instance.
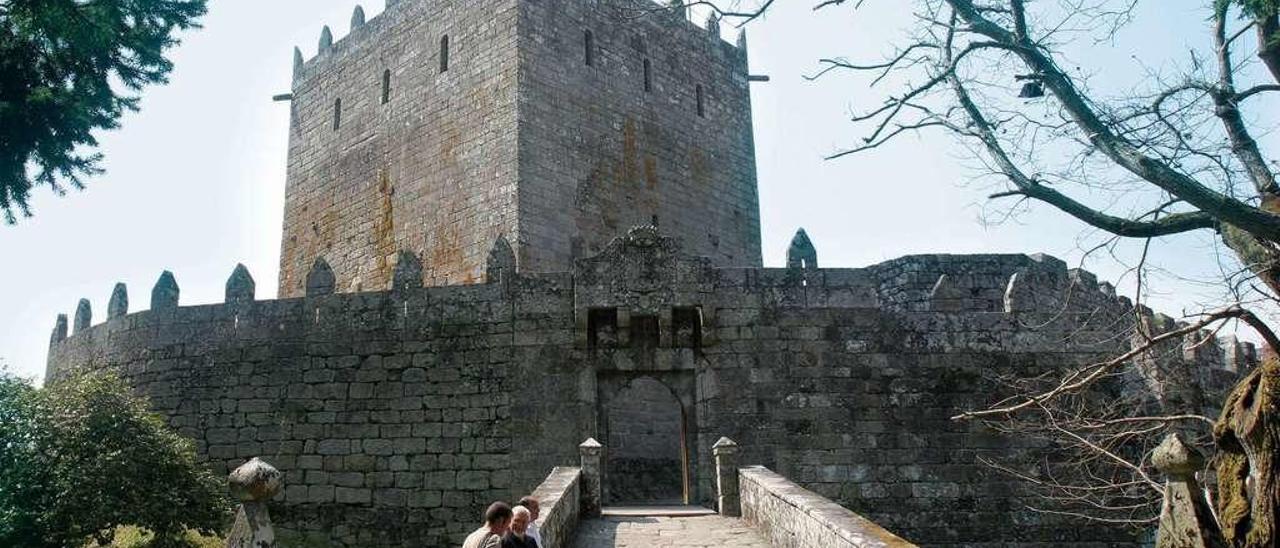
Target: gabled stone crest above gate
(643, 271)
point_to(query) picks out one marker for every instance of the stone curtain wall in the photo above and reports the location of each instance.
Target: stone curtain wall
(433, 169)
(789, 515)
(644, 446)
(396, 416)
(599, 154)
(389, 414)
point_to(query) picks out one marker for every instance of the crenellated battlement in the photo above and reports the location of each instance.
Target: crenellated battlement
(969, 298)
(672, 17)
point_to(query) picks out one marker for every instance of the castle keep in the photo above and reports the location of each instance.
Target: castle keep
(464, 300)
(441, 125)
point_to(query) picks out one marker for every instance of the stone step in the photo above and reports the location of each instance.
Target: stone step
(656, 510)
(698, 531)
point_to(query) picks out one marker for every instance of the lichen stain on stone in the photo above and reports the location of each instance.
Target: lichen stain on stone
(697, 166)
(447, 258)
(629, 150)
(384, 237)
(651, 172)
(450, 144)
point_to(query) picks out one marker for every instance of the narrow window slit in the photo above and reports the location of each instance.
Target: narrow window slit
(702, 113)
(648, 76)
(588, 48)
(337, 114)
(386, 86)
(444, 53)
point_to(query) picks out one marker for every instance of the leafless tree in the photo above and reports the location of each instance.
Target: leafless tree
(1177, 156)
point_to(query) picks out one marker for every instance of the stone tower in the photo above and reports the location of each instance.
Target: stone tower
(441, 125)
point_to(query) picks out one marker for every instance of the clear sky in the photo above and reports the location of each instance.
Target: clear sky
(195, 182)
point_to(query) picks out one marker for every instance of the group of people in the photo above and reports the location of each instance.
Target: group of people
(507, 527)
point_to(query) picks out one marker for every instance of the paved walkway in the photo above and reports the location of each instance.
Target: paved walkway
(667, 532)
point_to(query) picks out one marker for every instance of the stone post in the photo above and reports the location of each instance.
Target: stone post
(253, 483)
(726, 452)
(1185, 518)
(590, 451)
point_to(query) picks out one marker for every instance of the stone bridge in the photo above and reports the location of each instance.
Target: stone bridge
(756, 508)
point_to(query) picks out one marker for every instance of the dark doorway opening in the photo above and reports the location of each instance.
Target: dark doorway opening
(647, 452)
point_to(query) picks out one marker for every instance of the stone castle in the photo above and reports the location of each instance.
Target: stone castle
(512, 225)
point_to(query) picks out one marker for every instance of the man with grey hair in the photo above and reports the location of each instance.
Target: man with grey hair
(517, 536)
(531, 502)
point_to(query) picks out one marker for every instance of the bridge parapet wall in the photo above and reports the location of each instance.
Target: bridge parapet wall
(558, 497)
(790, 515)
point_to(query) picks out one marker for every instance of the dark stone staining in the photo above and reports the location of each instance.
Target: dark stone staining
(119, 304)
(241, 288)
(321, 280)
(84, 316)
(408, 272)
(164, 295)
(646, 333)
(687, 327)
(602, 328)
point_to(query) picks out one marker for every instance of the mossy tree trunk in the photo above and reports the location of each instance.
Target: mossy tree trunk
(1248, 438)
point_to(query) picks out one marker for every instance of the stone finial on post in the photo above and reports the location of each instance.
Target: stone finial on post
(254, 483)
(320, 280)
(678, 8)
(592, 496)
(59, 330)
(164, 295)
(801, 253)
(326, 39)
(726, 453)
(241, 288)
(408, 272)
(357, 18)
(1186, 520)
(84, 316)
(298, 61)
(502, 261)
(119, 304)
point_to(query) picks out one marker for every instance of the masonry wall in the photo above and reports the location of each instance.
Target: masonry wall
(599, 153)
(390, 414)
(432, 169)
(396, 416)
(519, 137)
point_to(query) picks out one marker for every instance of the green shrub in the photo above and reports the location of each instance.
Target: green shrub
(89, 457)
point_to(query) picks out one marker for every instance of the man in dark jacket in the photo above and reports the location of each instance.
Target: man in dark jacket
(517, 537)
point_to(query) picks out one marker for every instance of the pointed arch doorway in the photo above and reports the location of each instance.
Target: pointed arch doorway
(649, 426)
